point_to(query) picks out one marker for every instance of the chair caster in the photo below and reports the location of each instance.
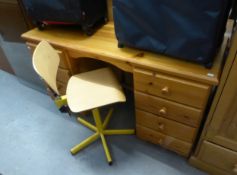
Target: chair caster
(40, 25)
(110, 163)
(120, 45)
(106, 20)
(208, 65)
(88, 30)
(65, 109)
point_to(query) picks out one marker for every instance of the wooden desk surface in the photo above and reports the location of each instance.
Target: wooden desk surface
(103, 44)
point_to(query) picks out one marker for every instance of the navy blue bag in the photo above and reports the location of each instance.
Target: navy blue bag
(188, 29)
(86, 13)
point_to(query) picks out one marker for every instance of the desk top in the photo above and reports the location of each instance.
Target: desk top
(104, 44)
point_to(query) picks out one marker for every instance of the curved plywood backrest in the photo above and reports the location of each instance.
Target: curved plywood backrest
(45, 62)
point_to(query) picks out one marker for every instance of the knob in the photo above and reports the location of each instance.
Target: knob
(163, 111)
(29, 47)
(165, 90)
(235, 169)
(161, 126)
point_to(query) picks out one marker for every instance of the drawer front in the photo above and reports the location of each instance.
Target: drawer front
(62, 55)
(63, 75)
(62, 87)
(219, 157)
(165, 126)
(171, 143)
(178, 90)
(168, 109)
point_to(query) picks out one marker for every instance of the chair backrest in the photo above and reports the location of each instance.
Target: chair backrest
(45, 62)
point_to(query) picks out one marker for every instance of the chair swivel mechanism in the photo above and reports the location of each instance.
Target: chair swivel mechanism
(85, 91)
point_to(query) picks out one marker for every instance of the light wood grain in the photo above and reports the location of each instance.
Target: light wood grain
(63, 61)
(230, 58)
(85, 64)
(178, 146)
(223, 129)
(165, 126)
(63, 75)
(212, 170)
(216, 151)
(175, 89)
(62, 87)
(168, 109)
(93, 89)
(46, 62)
(123, 65)
(218, 157)
(103, 46)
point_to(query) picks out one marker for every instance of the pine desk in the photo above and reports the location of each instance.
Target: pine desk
(170, 95)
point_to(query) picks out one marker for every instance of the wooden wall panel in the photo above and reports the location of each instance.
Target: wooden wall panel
(12, 23)
(110, 10)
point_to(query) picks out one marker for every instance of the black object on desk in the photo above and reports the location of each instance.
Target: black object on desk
(191, 30)
(86, 13)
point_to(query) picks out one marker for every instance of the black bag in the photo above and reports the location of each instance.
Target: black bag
(86, 13)
(189, 29)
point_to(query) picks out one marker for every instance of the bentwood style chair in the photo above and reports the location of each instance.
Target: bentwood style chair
(85, 91)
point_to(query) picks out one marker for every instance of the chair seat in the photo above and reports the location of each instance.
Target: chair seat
(93, 89)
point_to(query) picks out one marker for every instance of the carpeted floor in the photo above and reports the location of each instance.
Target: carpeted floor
(35, 139)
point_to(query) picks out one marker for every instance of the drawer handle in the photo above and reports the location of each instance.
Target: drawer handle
(163, 111)
(235, 169)
(165, 90)
(161, 126)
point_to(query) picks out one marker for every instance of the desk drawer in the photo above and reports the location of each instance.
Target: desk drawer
(63, 75)
(168, 142)
(62, 55)
(165, 126)
(175, 89)
(219, 157)
(168, 109)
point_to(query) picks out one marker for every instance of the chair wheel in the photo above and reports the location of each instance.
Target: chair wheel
(120, 45)
(41, 25)
(88, 30)
(106, 20)
(64, 109)
(110, 163)
(208, 65)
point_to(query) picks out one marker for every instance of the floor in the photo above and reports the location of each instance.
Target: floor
(36, 139)
(4, 63)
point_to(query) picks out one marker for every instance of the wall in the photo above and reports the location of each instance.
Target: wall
(12, 25)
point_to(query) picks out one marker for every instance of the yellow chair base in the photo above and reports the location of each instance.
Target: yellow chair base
(100, 131)
(60, 101)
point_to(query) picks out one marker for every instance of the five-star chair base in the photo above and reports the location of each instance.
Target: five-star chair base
(100, 132)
